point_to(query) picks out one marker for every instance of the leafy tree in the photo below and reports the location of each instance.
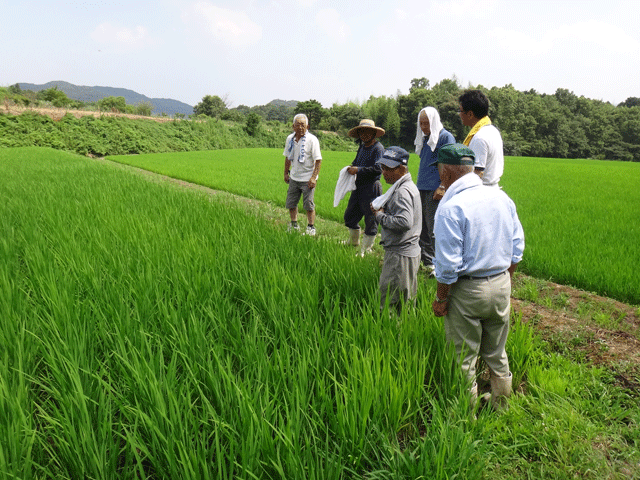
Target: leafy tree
(233, 115)
(629, 102)
(252, 124)
(112, 104)
(144, 109)
(419, 84)
(566, 98)
(347, 115)
(384, 112)
(312, 109)
(211, 105)
(57, 97)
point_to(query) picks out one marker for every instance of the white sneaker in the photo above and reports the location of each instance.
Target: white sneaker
(310, 231)
(291, 228)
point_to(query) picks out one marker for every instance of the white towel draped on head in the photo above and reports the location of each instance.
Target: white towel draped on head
(436, 128)
(346, 183)
(382, 200)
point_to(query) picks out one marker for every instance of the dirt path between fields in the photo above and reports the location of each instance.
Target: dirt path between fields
(581, 325)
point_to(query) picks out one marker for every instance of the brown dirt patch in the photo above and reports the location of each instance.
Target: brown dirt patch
(58, 113)
(588, 327)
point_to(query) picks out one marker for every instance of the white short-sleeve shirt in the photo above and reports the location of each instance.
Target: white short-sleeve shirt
(301, 171)
(487, 145)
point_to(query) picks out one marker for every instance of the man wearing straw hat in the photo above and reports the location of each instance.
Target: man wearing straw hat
(367, 172)
(479, 243)
(399, 212)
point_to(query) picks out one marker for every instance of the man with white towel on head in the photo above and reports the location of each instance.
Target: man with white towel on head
(430, 137)
(399, 213)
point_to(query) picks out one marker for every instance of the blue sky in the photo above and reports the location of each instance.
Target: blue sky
(251, 52)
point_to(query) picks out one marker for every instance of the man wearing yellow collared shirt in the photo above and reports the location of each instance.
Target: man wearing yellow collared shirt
(483, 138)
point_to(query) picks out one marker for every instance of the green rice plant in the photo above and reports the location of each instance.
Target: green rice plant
(169, 333)
(521, 346)
(557, 429)
(573, 236)
(159, 332)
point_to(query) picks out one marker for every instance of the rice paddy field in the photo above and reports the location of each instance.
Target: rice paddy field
(581, 217)
(152, 331)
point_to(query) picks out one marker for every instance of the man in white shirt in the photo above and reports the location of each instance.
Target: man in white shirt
(484, 138)
(302, 160)
(479, 243)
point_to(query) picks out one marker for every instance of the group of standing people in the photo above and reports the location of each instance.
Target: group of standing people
(455, 220)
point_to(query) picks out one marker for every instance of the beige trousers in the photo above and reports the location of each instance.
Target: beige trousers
(478, 322)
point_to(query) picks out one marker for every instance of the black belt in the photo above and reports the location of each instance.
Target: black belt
(469, 277)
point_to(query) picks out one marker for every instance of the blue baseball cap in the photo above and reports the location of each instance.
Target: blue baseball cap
(394, 157)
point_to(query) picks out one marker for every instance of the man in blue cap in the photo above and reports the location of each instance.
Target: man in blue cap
(479, 242)
(399, 212)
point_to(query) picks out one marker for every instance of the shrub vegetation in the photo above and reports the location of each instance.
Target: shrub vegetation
(108, 135)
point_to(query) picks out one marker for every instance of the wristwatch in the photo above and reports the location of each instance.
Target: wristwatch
(441, 300)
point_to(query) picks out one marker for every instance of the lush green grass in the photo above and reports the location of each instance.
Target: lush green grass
(580, 216)
(151, 331)
(251, 172)
(108, 135)
(581, 221)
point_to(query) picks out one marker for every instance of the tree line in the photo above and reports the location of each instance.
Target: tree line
(559, 125)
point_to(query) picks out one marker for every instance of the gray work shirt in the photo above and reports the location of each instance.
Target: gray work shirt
(402, 219)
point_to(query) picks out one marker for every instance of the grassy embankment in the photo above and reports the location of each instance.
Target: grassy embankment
(107, 135)
(158, 332)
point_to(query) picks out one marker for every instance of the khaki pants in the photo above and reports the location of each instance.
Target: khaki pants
(478, 322)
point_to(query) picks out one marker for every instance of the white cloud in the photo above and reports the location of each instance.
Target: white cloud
(593, 32)
(462, 9)
(603, 34)
(131, 37)
(232, 27)
(331, 23)
(401, 15)
(521, 42)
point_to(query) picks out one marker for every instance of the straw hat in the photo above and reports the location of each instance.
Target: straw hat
(366, 123)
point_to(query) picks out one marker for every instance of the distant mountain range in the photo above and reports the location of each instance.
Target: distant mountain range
(93, 94)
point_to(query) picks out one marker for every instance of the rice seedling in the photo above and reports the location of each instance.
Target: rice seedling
(573, 236)
(150, 331)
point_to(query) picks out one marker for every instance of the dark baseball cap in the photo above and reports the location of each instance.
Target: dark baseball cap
(394, 157)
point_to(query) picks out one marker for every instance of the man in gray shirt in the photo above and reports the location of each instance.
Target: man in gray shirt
(399, 213)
